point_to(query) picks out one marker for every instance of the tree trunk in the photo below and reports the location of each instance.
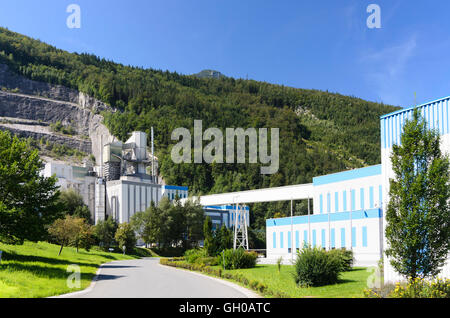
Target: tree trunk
(60, 250)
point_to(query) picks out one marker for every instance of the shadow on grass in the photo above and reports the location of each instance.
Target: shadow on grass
(47, 260)
(45, 272)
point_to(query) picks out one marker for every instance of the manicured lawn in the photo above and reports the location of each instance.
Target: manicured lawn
(351, 284)
(35, 270)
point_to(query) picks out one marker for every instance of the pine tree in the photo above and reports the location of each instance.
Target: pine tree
(417, 215)
(209, 242)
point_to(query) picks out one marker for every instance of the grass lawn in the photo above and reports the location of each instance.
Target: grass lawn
(351, 283)
(35, 270)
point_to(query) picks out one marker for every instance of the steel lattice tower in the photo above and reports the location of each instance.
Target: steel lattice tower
(240, 228)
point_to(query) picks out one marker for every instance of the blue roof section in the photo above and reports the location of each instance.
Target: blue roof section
(412, 107)
(169, 187)
(348, 175)
(321, 218)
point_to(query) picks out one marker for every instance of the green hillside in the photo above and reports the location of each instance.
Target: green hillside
(320, 132)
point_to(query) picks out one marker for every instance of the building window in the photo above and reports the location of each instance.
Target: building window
(353, 236)
(336, 202)
(342, 237)
(332, 238)
(274, 240)
(362, 198)
(328, 203)
(371, 201)
(353, 200)
(321, 203)
(289, 240)
(281, 240)
(323, 239)
(344, 201)
(305, 237)
(380, 192)
(364, 236)
(314, 238)
(297, 239)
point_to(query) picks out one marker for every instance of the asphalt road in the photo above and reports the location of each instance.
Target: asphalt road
(146, 278)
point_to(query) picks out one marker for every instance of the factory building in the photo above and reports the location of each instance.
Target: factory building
(347, 213)
(225, 215)
(348, 207)
(125, 183)
(437, 116)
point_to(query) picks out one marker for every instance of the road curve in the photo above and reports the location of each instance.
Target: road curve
(146, 278)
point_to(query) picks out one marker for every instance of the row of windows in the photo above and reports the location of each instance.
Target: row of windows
(323, 242)
(180, 195)
(344, 207)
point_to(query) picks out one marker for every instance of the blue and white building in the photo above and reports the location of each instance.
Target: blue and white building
(172, 192)
(225, 215)
(347, 213)
(348, 206)
(437, 115)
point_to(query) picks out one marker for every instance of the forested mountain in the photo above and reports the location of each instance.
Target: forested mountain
(320, 132)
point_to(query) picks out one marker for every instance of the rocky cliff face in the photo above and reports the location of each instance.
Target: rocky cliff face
(36, 101)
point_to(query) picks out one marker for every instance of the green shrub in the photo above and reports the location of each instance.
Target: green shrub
(207, 261)
(235, 259)
(193, 255)
(345, 258)
(316, 267)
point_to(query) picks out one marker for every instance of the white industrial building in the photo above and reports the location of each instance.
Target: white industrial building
(346, 213)
(122, 185)
(348, 207)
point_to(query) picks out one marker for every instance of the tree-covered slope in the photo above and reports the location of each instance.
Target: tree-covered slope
(320, 132)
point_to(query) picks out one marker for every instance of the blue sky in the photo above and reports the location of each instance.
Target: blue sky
(322, 44)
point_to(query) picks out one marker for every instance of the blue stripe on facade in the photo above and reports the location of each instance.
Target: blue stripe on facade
(305, 237)
(364, 236)
(361, 196)
(281, 240)
(353, 200)
(353, 236)
(289, 240)
(323, 239)
(318, 218)
(169, 187)
(321, 203)
(336, 202)
(274, 240)
(371, 199)
(333, 239)
(344, 199)
(297, 239)
(314, 238)
(328, 202)
(380, 193)
(342, 237)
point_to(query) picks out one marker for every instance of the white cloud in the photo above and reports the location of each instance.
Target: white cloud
(385, 69)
